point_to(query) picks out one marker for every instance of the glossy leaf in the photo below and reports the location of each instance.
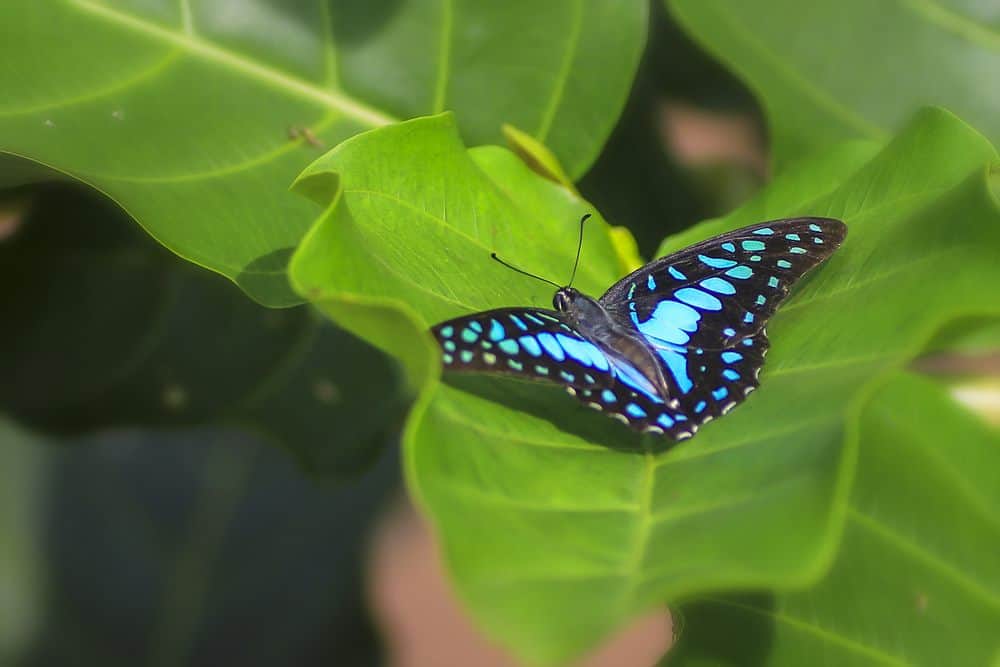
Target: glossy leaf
(195, 117)
(835, 70)
(106, 329)
(557, 523)
(916, 581)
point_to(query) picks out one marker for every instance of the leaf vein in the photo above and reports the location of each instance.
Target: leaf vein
(248, 67)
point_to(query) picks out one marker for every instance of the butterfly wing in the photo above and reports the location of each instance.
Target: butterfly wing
(704, 308)
(538, 344)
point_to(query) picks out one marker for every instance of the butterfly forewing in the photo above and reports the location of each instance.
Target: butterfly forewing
(538, 344)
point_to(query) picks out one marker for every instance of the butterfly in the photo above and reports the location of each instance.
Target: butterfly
(668, 347)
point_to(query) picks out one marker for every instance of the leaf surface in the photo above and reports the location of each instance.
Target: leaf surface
(195, 117)
(834, 70)
(916, 581)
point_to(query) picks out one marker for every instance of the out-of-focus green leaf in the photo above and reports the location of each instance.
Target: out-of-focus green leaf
(202, 547)
(22, 588)
(196, 116)
(829, 70)
(916, 582)
(558, 524)
(103, 328)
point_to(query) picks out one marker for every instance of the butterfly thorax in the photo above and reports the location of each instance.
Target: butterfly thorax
(594, 322)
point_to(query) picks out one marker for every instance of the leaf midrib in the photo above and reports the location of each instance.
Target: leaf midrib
(236, 62)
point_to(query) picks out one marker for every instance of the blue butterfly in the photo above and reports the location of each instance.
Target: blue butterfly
(670, 346)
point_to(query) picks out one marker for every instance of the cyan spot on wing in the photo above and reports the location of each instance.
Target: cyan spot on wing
(476, 326)
(764, 231)
(635, 411)
(793, 237)
(772, 282)
(466, 356)
(730, 374)
(670, 322)
(697, 298)
(509, 346)
(729, 247)
(665, 421)
(677, 275)
(530, 345)
(716, 262)
(718, 285)
(731, 357)
(797, 250)
(608, 396)
(720, 393)
(753, 246)
(447, 331)
(740, 272)
(520, 323)
(784, 264)
(650, 283)
(496, 331)
(469, 336)
(551, 346)
(815, 227)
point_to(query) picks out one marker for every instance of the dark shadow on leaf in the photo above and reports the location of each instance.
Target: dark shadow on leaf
(355, 22)
(550, 403)
(732, 631)
(257, 277)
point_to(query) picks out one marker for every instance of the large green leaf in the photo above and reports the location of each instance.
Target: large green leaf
(107, 329)
(916, 582)
(182, 112)
(829, 70)
(558, 524)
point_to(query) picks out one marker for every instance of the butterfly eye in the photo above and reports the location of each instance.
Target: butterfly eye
(561, 301)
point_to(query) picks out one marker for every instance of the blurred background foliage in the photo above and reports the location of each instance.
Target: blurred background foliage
(146, 515)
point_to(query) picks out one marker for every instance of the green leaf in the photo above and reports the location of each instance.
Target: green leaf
(106, 329)
(839, 70)
(557, 524)
(916, 581)
(195, 117)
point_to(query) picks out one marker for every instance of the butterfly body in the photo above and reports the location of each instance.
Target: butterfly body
(669, 347)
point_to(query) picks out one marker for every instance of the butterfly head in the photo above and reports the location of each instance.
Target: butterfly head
(565, 299)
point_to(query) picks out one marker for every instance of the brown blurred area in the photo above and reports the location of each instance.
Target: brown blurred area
(424, 625)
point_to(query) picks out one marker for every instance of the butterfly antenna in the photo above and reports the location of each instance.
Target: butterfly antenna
(493, 255)
(579, 247)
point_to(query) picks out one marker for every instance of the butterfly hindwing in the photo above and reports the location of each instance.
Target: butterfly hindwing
(537, 344)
